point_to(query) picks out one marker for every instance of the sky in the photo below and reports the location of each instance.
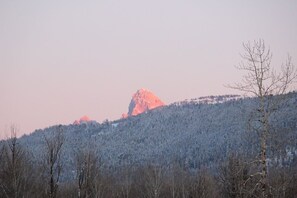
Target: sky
(60, 60)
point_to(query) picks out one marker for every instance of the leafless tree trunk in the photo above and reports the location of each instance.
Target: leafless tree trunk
(178, 180)
(16, 178)
(154, 179)
(262, 81)
(126, 180)
(53, 165)
(85, 164)
(236, 180)
(203, 185)
(280, 182)
(90, 180)
(173, 180)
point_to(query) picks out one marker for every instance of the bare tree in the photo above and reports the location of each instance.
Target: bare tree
(172, 180)
(16, 178)
(126, 180)
(280, 180)
(262, 81)
(153, 180)
(236, 178)
(203, 185)
(52, 160)
(178, 181)
(87, 172)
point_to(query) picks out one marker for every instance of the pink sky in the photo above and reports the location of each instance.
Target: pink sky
(60, 60)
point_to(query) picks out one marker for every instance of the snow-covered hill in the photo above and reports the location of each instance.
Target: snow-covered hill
(210, 99)
(194, 134)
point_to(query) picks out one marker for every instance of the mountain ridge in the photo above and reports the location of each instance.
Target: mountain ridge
(142, 101)
(191, 134)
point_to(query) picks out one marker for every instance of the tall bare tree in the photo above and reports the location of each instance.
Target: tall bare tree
(203, 185)
(236, 180)
(87, 172)
(16, 178)
(52, 159)
(262, 81)
(126, 180)
(154, 180)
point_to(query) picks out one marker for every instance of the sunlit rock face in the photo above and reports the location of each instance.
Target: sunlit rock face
(82, 120)
(142, 101)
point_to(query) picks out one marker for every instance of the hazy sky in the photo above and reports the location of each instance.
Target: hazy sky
(60, 60)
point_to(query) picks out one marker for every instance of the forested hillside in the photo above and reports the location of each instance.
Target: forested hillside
(193, 136)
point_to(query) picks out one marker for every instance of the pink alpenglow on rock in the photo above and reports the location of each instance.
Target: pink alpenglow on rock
(82, 120)
(142, 101)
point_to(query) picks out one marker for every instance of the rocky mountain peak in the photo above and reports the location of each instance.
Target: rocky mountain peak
(142, 101)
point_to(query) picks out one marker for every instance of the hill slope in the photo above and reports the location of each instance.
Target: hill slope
(192, 134)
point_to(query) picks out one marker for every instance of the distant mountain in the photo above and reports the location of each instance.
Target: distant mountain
(142, 101)
(83, 119)
(193, 134)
